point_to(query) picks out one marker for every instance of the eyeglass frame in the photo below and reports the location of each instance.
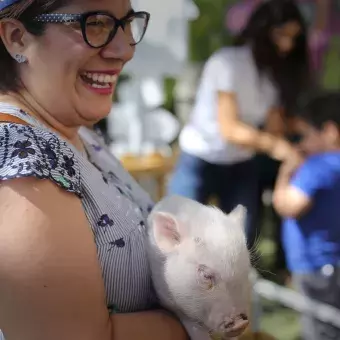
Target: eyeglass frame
(69, 18)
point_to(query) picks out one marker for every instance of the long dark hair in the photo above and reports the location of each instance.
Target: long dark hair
(290, 73)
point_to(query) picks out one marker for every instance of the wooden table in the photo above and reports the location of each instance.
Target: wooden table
(155, 166)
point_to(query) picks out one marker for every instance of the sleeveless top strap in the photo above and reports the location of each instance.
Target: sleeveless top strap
(6, 118)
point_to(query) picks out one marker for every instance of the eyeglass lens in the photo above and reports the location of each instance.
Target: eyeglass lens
(98, 28)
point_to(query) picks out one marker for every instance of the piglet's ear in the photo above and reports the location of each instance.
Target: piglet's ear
(166, 232)
(239, 215)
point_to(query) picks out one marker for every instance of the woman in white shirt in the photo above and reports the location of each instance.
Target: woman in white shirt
(242, 89)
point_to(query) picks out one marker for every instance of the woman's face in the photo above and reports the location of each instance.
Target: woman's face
(63, 72)
(284, 36)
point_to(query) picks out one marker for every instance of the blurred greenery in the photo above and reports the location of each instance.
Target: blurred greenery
(206, 35)
(169, 85)
(207, 32)
(331, 74)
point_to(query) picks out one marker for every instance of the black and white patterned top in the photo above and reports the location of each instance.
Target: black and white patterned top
(115, 205)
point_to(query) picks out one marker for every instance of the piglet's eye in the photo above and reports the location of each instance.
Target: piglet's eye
(206, 276)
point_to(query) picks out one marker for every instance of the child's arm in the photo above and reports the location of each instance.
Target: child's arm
(288, 199)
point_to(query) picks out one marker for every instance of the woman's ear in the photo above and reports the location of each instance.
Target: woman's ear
(14, 37)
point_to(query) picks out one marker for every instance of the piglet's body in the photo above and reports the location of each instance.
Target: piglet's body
(200, 265)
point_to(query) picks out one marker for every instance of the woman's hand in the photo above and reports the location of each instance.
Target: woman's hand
(292, 163)
(247, 136)
(282, 150)
(276, 123)
(151, 325)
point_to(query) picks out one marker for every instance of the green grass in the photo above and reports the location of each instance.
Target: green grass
(281, 322)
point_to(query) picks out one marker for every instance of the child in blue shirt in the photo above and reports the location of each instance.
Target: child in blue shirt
(307, 196)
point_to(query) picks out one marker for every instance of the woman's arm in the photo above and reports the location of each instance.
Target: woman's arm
(50, 280)
(237, 132)
(276, 123)
(153, 325)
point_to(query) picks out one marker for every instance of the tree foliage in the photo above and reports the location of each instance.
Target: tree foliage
(208, 32)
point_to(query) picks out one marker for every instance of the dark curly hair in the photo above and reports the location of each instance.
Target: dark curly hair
(24, 11)
(290, 73)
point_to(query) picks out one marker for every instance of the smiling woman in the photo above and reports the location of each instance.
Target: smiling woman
(72, 220)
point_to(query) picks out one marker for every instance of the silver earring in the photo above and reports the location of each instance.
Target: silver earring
(20, 58)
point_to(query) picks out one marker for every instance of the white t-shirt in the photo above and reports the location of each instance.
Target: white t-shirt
(231, 69)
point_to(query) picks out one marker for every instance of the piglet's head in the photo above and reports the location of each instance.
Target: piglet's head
(206, 264)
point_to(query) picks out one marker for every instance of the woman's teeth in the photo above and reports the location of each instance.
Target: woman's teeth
(100, 80)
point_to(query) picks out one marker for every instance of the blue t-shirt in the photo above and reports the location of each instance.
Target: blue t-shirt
(314, 240)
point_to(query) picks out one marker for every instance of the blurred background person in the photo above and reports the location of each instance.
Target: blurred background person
(322, 17)
(243, 88)
(307, 195)
(316, 14)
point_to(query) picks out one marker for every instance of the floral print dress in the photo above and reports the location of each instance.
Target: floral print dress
(115, 205)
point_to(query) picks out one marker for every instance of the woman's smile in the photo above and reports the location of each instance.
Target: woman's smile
(100, 82)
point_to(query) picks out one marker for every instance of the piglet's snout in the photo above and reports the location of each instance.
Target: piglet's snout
(235, 326)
